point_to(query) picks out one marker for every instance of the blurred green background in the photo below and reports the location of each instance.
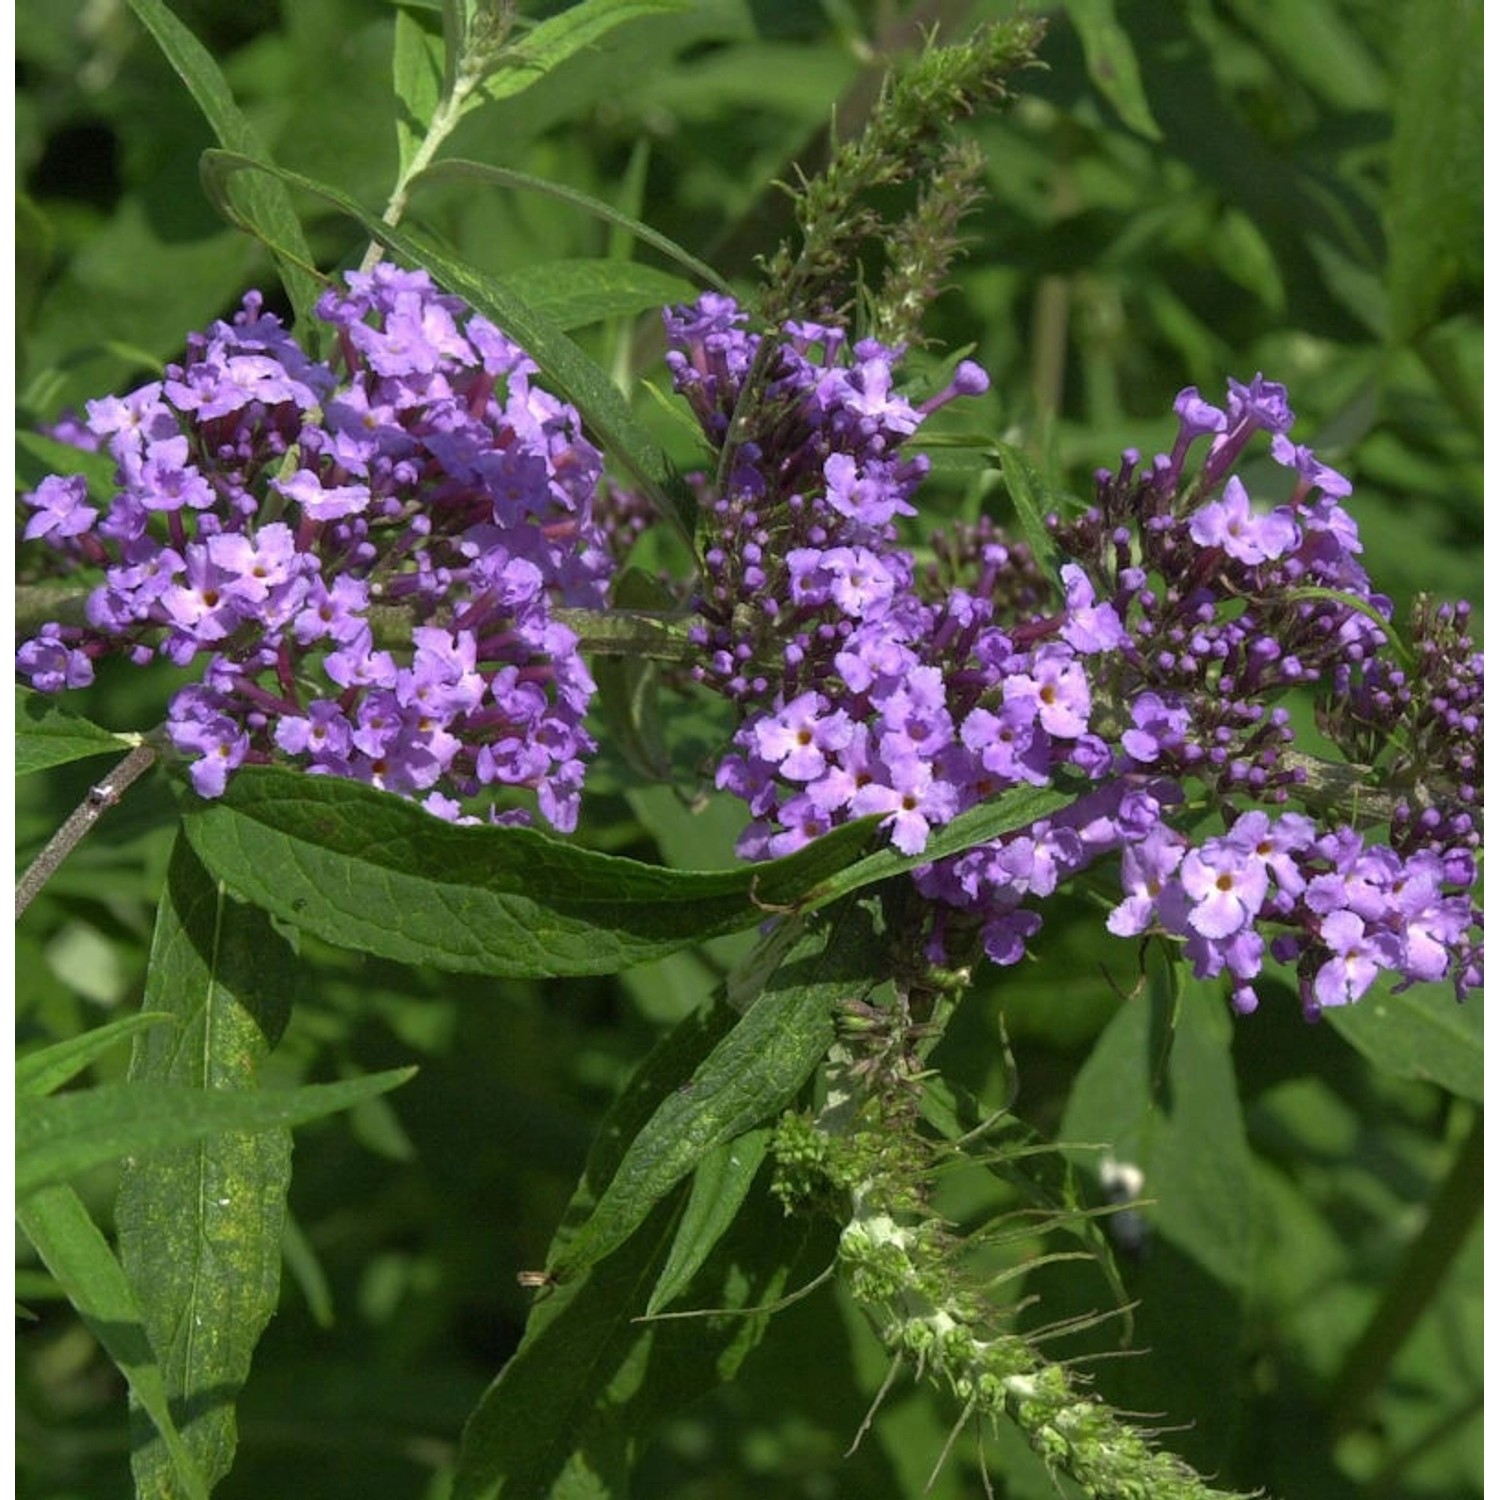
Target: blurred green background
(1182, 191)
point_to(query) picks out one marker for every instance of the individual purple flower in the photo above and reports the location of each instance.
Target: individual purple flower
(1356, 957)
(1249, 538)
(62, 509)
(1146, 868)
(799, 737)
(1225, 886)
(1056, 689)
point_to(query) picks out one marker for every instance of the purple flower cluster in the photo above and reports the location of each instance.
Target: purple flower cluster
(366, 564)
(877, 702)
(1185, 613)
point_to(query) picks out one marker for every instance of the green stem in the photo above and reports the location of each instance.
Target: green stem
(1416, 1282)
(444, 120)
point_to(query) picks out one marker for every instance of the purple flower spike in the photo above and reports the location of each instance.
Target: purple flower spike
(433, 479)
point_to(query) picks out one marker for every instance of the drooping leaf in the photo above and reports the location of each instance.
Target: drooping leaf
(200, 1225)
(455, 168)
(590, 1381)
(720, 1182)
(370, 871)
(572, 1410)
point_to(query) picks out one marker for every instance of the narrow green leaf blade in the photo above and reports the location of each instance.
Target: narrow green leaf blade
(571, 1412)
(576, 293)
(556, 39)
(49, 735)
(1112, 64)
(752, 1074)
(370, 871)
(46, 1070)
(200, 1226)
(417, 76)
(478, 171)
(266, 205)
(1019, 807)
(65, 1134)
(73, 1250)
(720, 1183)
(1033, 502)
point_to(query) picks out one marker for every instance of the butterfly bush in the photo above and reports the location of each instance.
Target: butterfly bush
(360, 559)
(1152, 685)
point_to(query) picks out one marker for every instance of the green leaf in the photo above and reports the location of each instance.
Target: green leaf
(50, 735)
(71, 1247)
(754, 1072)
(591, 1380)
(576, 293)
(720, 1182)
(1420, 1033)
(60, 1136)
(572, 1411)
(46, 1070)
(417, 63)
(1434, 203)
(1019, 807)
(39, 456)
(200, 1226)
(265, 206)
(1033, 502)
(478, 171)
(563, 364)
(370, 871)
(1112, 64)
(556, 39)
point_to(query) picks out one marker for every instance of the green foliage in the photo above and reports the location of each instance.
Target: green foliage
(548, 1264)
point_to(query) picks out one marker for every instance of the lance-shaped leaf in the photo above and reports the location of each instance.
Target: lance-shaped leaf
(65, 1134)
(752, 1074)
(373, 872)
(572, 1409)
(200, 1225)
(457, 169)
(555, 40)
(45, 1070)
(571, 1412)
(720, 1183)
